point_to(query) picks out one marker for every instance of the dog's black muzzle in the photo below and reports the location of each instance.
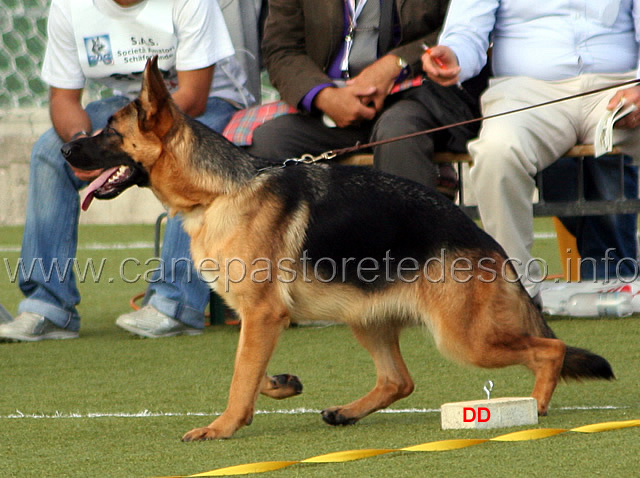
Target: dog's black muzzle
(71, 152)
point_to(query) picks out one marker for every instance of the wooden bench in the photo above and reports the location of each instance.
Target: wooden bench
(577, 207)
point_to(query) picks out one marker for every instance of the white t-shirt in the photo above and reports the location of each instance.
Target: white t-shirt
(110, 44)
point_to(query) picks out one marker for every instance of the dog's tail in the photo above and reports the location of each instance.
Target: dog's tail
(583, 364)
(580, 363)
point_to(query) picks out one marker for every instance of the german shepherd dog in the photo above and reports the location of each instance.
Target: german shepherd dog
(327, 242)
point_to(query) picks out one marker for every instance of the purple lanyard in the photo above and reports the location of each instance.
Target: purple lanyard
(352, 12)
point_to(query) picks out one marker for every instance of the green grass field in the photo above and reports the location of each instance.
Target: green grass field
(115, 406)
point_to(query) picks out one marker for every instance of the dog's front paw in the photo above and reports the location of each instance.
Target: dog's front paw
(333, 416)
(204, 433)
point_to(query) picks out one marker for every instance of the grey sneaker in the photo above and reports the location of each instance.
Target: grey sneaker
(5, 316)
(149, 322)
(29, 327)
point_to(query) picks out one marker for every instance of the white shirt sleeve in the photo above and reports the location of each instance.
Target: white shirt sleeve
(61, 66)
(203, 38)
(466, 31)
(548, 40)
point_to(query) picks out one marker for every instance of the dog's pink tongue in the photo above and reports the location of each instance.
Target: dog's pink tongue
(96, 184)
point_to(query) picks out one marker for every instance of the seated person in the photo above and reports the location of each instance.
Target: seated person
(86, 40)
(540, 53)
(337, 63)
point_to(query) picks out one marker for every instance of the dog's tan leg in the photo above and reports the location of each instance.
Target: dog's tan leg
(504, 329)
(393, 380)
(546, 358)
(281, 386)
(543, 356)
(261, 327)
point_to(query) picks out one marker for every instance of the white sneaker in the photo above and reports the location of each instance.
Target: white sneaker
(29, 327)
(149, 322)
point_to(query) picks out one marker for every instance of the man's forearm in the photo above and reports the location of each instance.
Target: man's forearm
(67, 116)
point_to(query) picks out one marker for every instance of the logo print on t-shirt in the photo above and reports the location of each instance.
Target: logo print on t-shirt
(98, 50)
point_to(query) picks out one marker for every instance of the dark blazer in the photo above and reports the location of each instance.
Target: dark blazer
(302, 37)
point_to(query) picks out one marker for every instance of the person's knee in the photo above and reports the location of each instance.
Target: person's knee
(392, 125)
(270, 140)
(46, 158)
(263, 142)
(47, 145)
(496, 160)
(48, 168)
(279, 138)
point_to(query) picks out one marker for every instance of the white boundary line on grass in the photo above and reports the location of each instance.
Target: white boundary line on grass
(295, 411)
(95, 246)
(98, 246)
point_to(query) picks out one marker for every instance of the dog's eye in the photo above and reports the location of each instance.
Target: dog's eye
(109, 131)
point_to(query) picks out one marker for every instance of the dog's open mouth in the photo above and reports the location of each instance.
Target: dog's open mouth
(108, 185)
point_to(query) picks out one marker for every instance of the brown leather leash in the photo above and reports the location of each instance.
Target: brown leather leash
(309, 158)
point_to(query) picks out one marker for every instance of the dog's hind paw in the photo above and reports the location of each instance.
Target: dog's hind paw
(332, 416)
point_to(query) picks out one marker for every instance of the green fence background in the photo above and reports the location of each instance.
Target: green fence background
(23, 38)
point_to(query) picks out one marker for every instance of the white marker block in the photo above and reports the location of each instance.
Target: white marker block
(492, 413)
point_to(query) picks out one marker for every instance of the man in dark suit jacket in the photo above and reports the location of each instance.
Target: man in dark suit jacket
(338, 60)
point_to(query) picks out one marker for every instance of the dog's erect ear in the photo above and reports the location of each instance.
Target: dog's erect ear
(154, 98)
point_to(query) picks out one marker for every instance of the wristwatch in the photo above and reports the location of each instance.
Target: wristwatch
(78, 134)
(404, 69)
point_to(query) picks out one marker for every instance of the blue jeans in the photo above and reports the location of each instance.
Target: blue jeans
(51, 234)
(608, 244)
